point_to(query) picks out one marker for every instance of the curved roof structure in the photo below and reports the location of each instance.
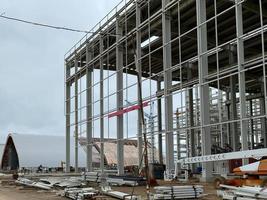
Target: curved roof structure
(25, 150)
(1, 152)
(33, 150)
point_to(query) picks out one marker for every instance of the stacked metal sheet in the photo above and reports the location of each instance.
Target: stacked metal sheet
(242, 193)
(114, 179)
(80, 193)
(91, 176)
(119, 195)
(49, 183)
(30, 183)
(178, 192)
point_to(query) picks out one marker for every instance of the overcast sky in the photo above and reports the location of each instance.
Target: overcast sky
(32, 60)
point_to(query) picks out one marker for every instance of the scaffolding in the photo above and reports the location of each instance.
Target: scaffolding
(202, 64)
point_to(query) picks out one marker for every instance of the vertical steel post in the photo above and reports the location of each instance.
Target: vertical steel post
(159, 111)
(139, 71)
(76, 116)
(241, 77)
(229, 140)
(263, 119)
(191, 113)
(204, 87)
(119, 68)
(101, 106)
(67, 103)
(233, 114)
(251, 124)
(167, 63)
(89, 117)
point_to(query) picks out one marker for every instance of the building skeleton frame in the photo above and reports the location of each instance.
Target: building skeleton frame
(205, 70)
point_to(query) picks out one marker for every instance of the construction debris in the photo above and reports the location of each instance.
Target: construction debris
(118, 195)
(30, 183)
(178, 192)
(114, 179)
(242, 193)
(80, 193)
(49, 183)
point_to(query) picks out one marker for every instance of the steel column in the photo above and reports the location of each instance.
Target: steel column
(119, 68)
(159, 111)
(67, 114)
(229, 140)
(204, 88)
(263, 119)
(241, 77)
(167, 63)
(139, 71)
(89, 117)
(233, 109)
(102, 155)
(76, 115)
(191, 113)
(251, 124)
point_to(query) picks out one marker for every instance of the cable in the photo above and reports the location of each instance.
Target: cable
(44, 25)
(54, 27)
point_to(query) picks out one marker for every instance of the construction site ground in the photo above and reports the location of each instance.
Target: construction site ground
(11, 191)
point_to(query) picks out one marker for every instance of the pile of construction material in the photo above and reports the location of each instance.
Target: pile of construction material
(30, 183)
(118, 195)
(178, 192)
(49, 183)
(242, 193)
(113, 180)
(80, 193)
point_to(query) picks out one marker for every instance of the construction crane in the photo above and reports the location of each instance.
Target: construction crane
(151, 125)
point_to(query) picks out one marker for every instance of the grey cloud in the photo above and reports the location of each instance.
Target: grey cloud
(32, 58)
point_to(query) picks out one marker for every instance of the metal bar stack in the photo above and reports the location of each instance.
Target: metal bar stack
(178, 192)
(242, 193)
(114, 179)
(119, 195)
(80, 193)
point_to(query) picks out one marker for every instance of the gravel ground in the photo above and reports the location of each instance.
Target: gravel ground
(10, 191)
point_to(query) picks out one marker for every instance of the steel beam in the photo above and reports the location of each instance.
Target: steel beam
(191, 112)
(76, 106)
(178, 132)
(229, 140)
(139, 70)
(233, 114)
(102, 154)
(167, 63)
(119, 68)
(159, 111)
(204, 88)
(67, 114)
(263, 119)
(255, 153)
(241, 77)
(251, 124)
(89, 117)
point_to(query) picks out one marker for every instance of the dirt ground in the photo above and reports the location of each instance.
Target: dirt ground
(10, 191)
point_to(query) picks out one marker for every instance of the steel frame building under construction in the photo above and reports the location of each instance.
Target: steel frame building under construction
(201, 64)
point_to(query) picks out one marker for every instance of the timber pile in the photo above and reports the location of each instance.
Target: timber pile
(178, 192)
(242, 193)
